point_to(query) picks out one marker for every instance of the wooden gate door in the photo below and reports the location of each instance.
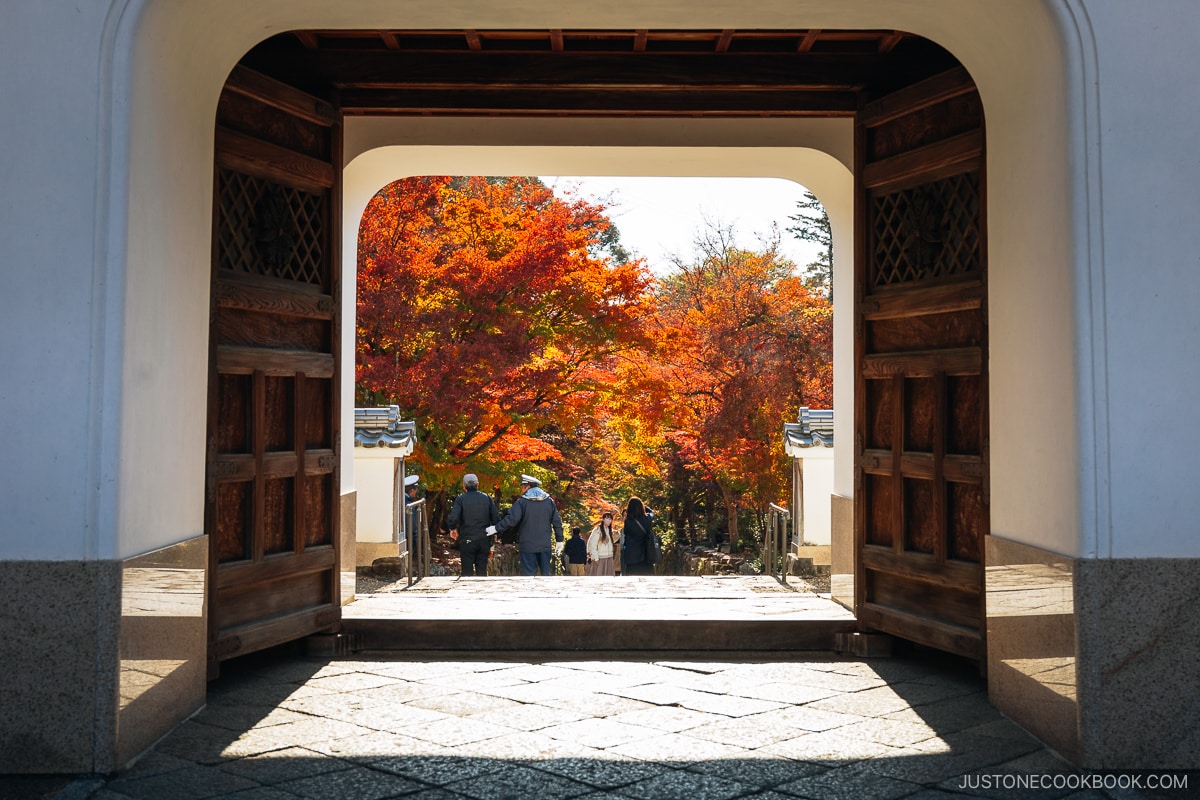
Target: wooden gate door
(921, 429)
(272, 480)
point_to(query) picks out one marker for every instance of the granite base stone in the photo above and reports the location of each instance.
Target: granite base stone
(1097, 657)
(1139, 662)
(101, 658)
(59, 661)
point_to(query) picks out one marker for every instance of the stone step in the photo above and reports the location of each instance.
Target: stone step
(593, 635)
(589, 614)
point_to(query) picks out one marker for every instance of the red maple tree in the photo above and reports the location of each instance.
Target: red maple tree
(488, 312)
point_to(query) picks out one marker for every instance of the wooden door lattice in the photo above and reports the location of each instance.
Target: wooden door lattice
(272, 502)
(268, 229)
(921, 351)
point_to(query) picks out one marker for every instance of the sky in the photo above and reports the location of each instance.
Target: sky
(658, 217)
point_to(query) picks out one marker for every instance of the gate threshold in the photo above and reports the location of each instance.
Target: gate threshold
(601, 615)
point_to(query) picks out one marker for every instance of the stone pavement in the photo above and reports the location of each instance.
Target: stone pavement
(280, 726)
(602, 615)
(662, 597)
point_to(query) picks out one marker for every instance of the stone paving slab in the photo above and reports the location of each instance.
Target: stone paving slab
(545, 725)
(598, 598)
(914, 726)
(594, 614)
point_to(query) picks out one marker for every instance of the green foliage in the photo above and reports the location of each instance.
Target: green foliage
(811, 224)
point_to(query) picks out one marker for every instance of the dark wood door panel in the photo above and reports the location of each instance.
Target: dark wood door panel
(273, 412)
(233, 641)
(248, 603)
(921, 351)
(929, 631)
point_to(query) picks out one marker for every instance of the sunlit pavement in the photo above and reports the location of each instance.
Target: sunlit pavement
(662, 597)
(281, 726)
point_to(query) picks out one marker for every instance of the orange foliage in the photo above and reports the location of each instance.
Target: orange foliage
(485, 314)
(490, 313)
(745, 343)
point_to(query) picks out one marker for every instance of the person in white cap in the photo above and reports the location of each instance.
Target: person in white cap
(410, 495)
(534, 515)
(470, 515)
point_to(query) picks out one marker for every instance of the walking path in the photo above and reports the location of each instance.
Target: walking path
(587, 598)
(815, 725)
(604, 616)
(277, 728)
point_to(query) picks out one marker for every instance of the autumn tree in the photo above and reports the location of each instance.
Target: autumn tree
(746, 342)
(489, 310)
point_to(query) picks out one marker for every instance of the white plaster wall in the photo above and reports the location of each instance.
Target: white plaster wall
(376, 484)
(52, 349)
(843, 350)
(143, 223)
(818, 486)
(1145, 272)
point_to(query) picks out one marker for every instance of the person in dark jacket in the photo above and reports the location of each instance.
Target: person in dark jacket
(634, 538)
(575, 552)
(470, 516)
(534, 515)
(412, 511)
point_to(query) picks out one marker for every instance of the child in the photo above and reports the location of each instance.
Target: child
(575, 552)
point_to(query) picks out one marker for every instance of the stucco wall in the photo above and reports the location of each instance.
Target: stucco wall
(376, 489)
(110, 308)
(818, 464)
(52, 306)
(1145, 278)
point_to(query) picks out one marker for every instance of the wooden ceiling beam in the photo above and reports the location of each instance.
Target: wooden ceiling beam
(348, 70)
(808, 40)
(598, 102)
(309, 39)
(888, 43)
(531, 40)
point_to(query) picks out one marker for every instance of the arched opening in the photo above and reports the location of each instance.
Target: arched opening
(164, 224)
(429, 339)
(920, 515)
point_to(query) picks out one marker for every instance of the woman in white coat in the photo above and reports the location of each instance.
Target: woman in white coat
(602, 546)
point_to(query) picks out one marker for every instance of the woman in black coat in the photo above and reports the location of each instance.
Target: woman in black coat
(634, 537)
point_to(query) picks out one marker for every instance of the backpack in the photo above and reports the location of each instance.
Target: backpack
(653, 546)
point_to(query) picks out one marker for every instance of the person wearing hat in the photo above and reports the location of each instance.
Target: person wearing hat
(534, 516)
(470, 515)
(410, 497)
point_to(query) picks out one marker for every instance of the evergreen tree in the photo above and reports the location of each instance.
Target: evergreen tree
(811, 224)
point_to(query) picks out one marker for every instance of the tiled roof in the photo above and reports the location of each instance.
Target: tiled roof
(815, 429)
(382, 427)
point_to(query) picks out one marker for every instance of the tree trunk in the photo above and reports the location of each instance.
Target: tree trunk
(731, 515)
(690, 512)
(437, 507)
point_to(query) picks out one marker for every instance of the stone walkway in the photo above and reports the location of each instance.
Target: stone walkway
(660, 597)
(279, 726)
